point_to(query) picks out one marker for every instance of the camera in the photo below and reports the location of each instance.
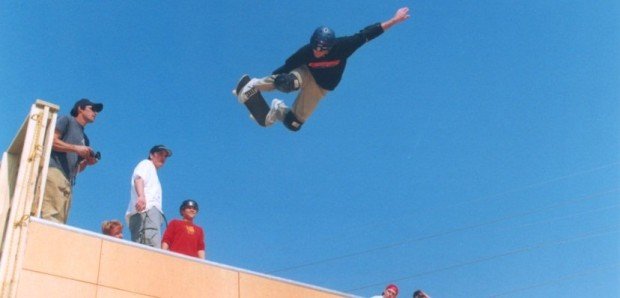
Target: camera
(96, 155)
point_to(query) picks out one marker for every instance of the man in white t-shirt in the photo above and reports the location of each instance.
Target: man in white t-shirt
(144, 213)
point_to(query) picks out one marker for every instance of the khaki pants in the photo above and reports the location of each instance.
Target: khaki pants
(57, 197)
(308, 96)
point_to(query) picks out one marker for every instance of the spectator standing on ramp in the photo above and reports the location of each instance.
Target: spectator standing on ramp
(70, 155)
(391, 291)
(144, 213)
(183, 236)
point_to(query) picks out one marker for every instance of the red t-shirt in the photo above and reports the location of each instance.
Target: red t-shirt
(184, 237)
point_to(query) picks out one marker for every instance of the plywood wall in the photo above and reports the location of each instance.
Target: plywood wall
(61, 262)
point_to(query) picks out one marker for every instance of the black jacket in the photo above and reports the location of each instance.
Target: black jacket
(327, 71)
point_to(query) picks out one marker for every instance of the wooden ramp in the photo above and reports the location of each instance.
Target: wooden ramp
(44, 259)
(62, 261)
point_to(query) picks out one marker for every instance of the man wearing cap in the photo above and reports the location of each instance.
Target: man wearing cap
(391, 291)
(70, 155)
(184, 236)
(144, 213)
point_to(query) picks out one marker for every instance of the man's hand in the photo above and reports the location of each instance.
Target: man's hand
(83, 151)
(91, 160)
(140, 204)
(400, 15)
(141, 199)
(88, 161)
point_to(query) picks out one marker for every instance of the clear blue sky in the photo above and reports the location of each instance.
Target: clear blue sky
(472, 151)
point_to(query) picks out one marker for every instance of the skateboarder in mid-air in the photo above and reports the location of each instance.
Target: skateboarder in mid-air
(314, 70)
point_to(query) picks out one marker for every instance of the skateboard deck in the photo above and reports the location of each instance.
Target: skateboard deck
(256, 104)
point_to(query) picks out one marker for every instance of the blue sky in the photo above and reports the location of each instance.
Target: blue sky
(471, 151)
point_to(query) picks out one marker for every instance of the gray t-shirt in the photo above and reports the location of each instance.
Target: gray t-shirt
(71, 132)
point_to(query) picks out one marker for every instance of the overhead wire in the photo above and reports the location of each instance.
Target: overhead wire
(362, 228)
(613, 229)
(560, 279)
(444, 233)
(538, 184)
(541, 222)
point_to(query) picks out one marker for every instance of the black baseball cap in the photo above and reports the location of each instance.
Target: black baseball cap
(97, 107)
(158, 148)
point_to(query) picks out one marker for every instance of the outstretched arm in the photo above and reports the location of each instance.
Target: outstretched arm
(400, 15)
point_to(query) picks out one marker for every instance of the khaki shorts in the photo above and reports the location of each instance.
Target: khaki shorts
(308, 96)
(57, 197)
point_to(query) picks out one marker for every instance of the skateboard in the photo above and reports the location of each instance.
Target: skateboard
(256, 104)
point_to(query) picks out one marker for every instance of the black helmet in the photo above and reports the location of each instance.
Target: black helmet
(188, 203)
(323, 38)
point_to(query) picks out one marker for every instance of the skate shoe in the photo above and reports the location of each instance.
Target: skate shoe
(276, 112)
(247, 91)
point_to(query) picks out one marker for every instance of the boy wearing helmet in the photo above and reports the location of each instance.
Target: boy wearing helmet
(314, 70)
(183, 236)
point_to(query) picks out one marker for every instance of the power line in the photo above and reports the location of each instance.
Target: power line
(492, 257)
(534, 185)
(488, 197)
(444, 233)
(560, 279)
(570, 216)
